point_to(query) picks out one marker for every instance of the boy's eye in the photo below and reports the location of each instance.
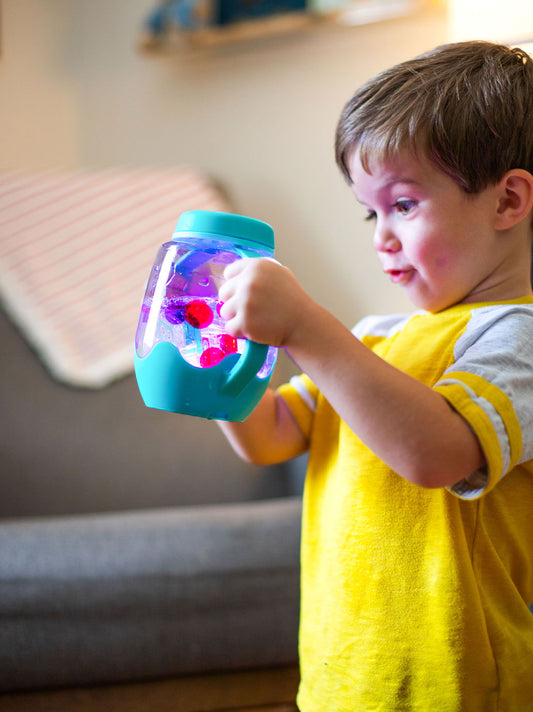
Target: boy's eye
(370, 216)
(404, 206)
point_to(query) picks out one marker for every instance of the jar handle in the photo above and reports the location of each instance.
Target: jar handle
(247, 367)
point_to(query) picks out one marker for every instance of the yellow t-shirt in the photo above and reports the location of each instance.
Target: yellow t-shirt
(413, 598)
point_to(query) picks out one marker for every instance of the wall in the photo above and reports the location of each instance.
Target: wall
(39, 116)
(484, 19)
(259, 117)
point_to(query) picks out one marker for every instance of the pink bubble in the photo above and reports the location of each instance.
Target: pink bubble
(211, 357)
(228, 343)
(199, 314)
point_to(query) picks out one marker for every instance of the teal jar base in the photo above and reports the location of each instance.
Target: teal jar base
(167, 382)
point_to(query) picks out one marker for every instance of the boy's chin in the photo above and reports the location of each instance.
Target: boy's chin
(431, 305)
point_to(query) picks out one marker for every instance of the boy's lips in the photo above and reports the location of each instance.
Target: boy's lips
(400, 275)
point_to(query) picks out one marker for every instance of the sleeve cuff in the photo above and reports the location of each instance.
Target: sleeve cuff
(473, 398)
(300, 395)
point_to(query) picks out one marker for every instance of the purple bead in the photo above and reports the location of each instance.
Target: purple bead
(174, 311)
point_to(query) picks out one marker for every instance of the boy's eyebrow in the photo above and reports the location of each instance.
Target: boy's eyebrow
(389, 184)
(400, 179)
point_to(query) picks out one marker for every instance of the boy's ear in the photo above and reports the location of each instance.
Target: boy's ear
(515, 198)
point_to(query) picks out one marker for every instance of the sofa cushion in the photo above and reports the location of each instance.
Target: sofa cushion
(72, 451)
(113, 597)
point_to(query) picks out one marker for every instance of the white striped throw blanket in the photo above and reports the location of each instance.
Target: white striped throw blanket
(75, 254)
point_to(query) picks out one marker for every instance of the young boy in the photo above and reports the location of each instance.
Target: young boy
(417, 545)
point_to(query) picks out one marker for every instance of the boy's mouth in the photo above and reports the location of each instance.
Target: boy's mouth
(400, 275)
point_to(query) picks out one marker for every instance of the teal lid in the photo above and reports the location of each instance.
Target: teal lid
(225, 226)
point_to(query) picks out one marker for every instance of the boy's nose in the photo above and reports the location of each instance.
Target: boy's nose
(385, 240)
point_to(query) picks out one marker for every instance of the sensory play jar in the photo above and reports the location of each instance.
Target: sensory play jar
(185, 361)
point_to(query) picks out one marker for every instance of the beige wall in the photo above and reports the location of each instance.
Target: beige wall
(38, 100)
(258, 117)
(484, 19)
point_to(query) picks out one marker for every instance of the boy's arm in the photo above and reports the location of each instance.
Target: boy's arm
(406, 423)
(269, 435)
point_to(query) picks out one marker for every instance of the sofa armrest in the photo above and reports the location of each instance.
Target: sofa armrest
(113, 597)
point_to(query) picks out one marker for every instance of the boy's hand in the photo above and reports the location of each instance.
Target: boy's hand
(263, 301)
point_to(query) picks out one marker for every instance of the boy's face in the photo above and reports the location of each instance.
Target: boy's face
(438, 243)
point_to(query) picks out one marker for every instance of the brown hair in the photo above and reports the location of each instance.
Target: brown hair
(467, 106)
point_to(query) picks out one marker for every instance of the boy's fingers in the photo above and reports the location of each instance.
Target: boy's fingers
(234, 268)
(226, 312)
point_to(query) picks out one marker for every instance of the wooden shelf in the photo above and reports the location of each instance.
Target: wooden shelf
(245, 30)
(361, 12)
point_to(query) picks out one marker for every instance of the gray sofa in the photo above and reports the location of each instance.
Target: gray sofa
(133, 543)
